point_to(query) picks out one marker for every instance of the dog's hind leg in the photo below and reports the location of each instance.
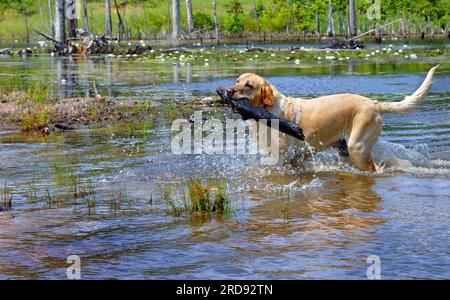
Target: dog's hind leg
(362, 139)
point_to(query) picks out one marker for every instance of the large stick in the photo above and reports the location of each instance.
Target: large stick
(365, 33)
(50, 38)
(249, 111)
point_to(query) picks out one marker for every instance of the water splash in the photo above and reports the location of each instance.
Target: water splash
(389, 157)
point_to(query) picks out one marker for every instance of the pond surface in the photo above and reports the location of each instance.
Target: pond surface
(320, 220)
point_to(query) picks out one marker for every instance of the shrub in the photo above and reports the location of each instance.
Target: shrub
(203, 21)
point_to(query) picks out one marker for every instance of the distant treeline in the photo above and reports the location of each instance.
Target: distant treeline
(262, 19)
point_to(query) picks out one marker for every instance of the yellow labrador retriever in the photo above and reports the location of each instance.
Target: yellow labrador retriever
(330, 119)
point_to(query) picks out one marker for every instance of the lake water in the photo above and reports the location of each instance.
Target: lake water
(321, 220)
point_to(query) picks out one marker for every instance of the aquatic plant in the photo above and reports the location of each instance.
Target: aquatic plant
(90, 198)
(117, 198)
(6, 196)
(199, 199)
(48, 197)
(171, 111)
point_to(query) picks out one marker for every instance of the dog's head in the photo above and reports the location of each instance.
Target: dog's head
(253, 87)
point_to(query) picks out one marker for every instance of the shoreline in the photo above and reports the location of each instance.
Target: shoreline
(69, 114)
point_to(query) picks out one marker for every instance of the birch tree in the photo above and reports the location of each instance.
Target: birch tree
(108, 19)
(330, 30)
(176, 19)
(71, 17)
(216, 21)
(352, 17)
(190, 18)
(60, 24)
(85, 16)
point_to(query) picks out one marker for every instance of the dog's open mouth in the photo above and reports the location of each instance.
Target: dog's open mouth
(227, 97)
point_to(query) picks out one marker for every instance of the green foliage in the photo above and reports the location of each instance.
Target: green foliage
(233, 22)
(150, 17)
(200, 199)
(203, 21)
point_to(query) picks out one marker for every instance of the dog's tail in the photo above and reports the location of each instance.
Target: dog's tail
(410, 102)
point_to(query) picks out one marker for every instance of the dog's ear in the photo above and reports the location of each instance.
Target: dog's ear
(266, 94)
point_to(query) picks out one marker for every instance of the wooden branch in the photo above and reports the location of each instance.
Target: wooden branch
(181, 49)
(249, 111)
(378, 28)
(50, 38)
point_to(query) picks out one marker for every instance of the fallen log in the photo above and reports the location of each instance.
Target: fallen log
(261, 49)
(175, 50)
(248, 111)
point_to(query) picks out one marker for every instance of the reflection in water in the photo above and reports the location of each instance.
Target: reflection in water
(67, 71)
(336, 208)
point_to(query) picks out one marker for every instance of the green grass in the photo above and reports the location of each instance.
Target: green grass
(36, 118)
(198, 198)
(6, 196)
(150, 18)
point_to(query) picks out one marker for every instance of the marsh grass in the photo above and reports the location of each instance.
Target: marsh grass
(49, 201)
(198, 198)
(36, 118)
(6, 196)
(148, 105)
(285, 197)
(117, 198)
(36, 92)
(139, 129)
(171, 110)
(90, 198)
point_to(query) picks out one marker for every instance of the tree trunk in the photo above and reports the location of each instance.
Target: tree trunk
(317, 26)
(257, 21)
(169, 21)
(292, 21)
(352, 17)
(71, 18)
(216, 22)
(27, 39)
(85, 16)
(121, 25)
(50, 19)
(330, 30)
(190, 17)
(108, 19)
(176, 19)
(60, 25)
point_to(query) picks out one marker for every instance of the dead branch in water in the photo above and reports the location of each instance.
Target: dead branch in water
(174, 50)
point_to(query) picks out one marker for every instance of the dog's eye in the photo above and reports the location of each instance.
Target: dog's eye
(249, 85)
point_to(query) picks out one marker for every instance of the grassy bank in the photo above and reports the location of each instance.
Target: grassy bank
(23, 110)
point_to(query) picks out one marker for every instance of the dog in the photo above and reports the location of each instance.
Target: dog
(334, 120)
